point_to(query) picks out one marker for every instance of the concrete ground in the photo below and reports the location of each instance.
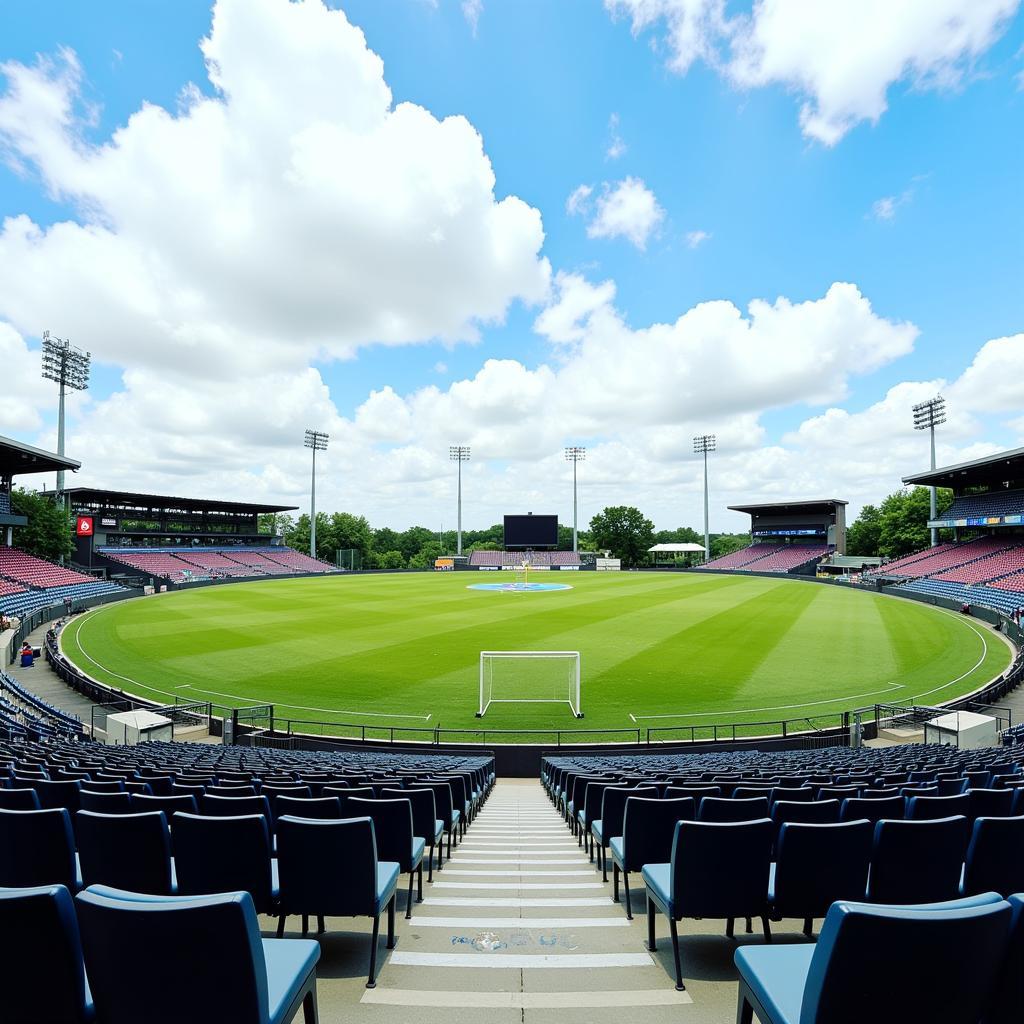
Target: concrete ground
(519, 927)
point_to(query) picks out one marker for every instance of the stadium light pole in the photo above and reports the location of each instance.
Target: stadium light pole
(702, 444)
(68, 367)
(317, 440)
(459, 453)
(575, 454)
(927, 416)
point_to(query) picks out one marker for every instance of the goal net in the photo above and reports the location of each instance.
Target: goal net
(530, 677)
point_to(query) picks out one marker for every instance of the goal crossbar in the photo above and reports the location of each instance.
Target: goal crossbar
(530, 677)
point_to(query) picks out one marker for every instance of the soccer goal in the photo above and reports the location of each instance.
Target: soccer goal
(530, 677)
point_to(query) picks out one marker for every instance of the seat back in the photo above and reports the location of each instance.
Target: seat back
(37, 848)
(1009, 996)
(995, 857)
(698, 792)
(141, 802)
(327, 867)
(714, 808)
(41, 953)
(856, 808)
(928, 808)
(990, 803)
(127, 851)
(106, 803)
(858, 942)
(229, 854)
(917, 861)
(791, 794)
(720, 869)
(442, 800)
(592, 799)
(24, 800)
(306, 807)
(213, 941)
(392, 826)
(424, 816)
(104, 786)
(232, 789)
(649, 828)
(58, 794)
(817, 864)
(222, 806)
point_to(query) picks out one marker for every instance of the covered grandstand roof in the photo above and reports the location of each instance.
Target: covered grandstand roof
(17, 458)
(676, 548)
(132, 499)
(818, 506)
(991, 469)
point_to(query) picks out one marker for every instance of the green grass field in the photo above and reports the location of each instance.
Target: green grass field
(657, 650)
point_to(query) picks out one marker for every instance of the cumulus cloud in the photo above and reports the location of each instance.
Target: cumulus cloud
(623, 209)
(696, 238)
(296, 212)
(841, 58)
(471, 11)
(616, 145)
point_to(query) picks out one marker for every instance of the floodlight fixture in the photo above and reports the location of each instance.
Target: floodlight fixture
(575, 454)
(702, 444)
(317, 441)
(68, 367)
(459, 453)
(927, 416)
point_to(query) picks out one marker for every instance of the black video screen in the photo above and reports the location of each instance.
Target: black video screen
(531, 531)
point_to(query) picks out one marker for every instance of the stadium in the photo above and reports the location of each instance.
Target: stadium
(262, 762)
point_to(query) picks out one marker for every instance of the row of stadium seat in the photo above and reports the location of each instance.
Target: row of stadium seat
(992, 503)
(770, 557)
(35, 572)
(179, 565)
(535, 558)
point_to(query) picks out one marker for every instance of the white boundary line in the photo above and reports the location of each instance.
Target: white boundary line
(230, 696)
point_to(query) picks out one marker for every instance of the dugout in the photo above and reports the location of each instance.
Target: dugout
(822, 521)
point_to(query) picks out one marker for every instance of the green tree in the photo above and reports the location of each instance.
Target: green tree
(424, 558)
(272, 522)
(864, 535)
(410, 541)
(390, 560)
(48, 534)
(346, 531)
(904, 520)
(624, 531)
(680, 535)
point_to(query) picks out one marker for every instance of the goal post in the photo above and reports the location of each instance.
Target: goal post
(530, 677)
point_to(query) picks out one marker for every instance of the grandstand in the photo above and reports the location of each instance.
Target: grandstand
(984, 564)
(535, 559)
(788, 537)
(141, 537)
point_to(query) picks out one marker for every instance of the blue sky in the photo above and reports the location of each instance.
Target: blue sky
(903, 182)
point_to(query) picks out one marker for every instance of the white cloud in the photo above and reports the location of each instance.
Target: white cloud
(696, 238)
(616, 145)
(471, 11)
(884, 208)
(626, 209)
(840, 57)
(297, 212)
(440, 367)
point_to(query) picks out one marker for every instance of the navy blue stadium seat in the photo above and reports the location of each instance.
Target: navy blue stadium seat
(613, 810)
(127, 851)
(870, 809)
(212, 941)
(37, 848)
(396, 841)
(716, 870)
(425, 821)
(41, 958)
(917, 861)
(106, 803)
(925, 808)
(714, 808)
(19, 800)
(331, 868)
(995, 857)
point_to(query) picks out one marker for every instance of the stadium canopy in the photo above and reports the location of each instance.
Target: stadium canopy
(17, 459)
(675, 549)
(819, 507)
(992, 471)
(82, 497)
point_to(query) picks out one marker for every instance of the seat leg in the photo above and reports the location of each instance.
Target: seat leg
(744, 1011)
(391, 920)
(372, 981)
(310, 1013)
(680, 987)
(625, 886)
(408, 902)
(305, 925)
(615, 881)
(430, 866)
(419, 883)
(808, 926)
(591, 844)
(280, 926)
(729, 927)
(320, 928)
(651, 943)
(750, 926)
(766, 928)
(602, 856)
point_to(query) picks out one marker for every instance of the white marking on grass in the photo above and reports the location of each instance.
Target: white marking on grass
(304, 707)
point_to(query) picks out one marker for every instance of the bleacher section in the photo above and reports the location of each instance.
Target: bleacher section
(770, 557)
(28, 583)
(943, 558)
(991, 503)
(188, 564)
(20, 709)
(516, 558)
(5, 503)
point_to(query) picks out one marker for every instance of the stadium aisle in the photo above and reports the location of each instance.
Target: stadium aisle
(520, 927)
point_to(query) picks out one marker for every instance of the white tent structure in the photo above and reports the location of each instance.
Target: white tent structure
(669, 551)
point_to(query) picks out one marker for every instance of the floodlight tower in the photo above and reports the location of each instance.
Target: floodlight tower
(459, 453)
(68, 367)
(702, 444)
(575, 454)
(317, 440)
(927, 416)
